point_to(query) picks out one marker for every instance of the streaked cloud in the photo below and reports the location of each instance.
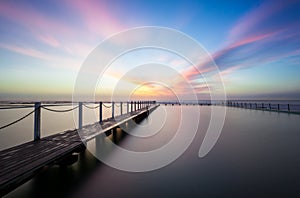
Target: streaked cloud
(97, 17)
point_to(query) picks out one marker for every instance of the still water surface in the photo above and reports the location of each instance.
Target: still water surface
(257, 154)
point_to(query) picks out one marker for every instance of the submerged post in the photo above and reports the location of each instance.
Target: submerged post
(37, 121)
(80, 115)
(100, 112)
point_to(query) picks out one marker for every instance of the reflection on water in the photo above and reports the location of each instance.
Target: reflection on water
(257, 154)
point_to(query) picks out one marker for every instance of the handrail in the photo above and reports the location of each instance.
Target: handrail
(59, 111)
(91, 107)
(37, 110)
(107, 106)
(18, 120)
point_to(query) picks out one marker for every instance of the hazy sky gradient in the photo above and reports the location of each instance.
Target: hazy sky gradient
(256, 44)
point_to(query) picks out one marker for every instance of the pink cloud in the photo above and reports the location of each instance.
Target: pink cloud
(49, 40)
(97, 17)
(257, 16)
(27, 51)
(251, 39)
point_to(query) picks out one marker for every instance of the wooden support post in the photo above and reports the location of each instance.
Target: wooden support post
(131, 106)
(100, 112)
(270, 106)
(127, 107)
(262, 106)
(114, 133)
(80, 116)
(37, 121)
(113, 110)
(121, 108)
(288, 107)
(278, 107)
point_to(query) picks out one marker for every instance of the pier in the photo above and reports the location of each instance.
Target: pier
(264, 106)
(20, 163)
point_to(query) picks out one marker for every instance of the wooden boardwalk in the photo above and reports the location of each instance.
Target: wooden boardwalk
(22, 162)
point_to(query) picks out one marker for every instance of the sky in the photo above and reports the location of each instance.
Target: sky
(255, 45)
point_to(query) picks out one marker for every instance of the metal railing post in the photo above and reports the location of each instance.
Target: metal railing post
(80, 115)
(113, 110)
(37, 121)
(100, 112)
(121, 108)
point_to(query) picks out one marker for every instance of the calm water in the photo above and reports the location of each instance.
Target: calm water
(257, 154)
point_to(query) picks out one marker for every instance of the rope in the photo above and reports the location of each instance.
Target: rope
(107, 106)
(91, 107)
(18, 120)
(59, 111)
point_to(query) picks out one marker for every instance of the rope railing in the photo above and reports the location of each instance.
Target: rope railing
(89, 107)
(59, 105)
(18, 120)
(290, 108)
(107, 106)
(59, 111)
(49, 107)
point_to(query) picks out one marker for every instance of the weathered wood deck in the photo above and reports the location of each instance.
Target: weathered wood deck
(20, 163)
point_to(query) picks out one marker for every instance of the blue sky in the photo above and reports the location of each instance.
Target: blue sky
(255, 44)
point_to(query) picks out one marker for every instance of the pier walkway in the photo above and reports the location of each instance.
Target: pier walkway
(20, 163)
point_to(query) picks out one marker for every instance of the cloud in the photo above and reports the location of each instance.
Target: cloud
(97, 17)
(266, 34)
